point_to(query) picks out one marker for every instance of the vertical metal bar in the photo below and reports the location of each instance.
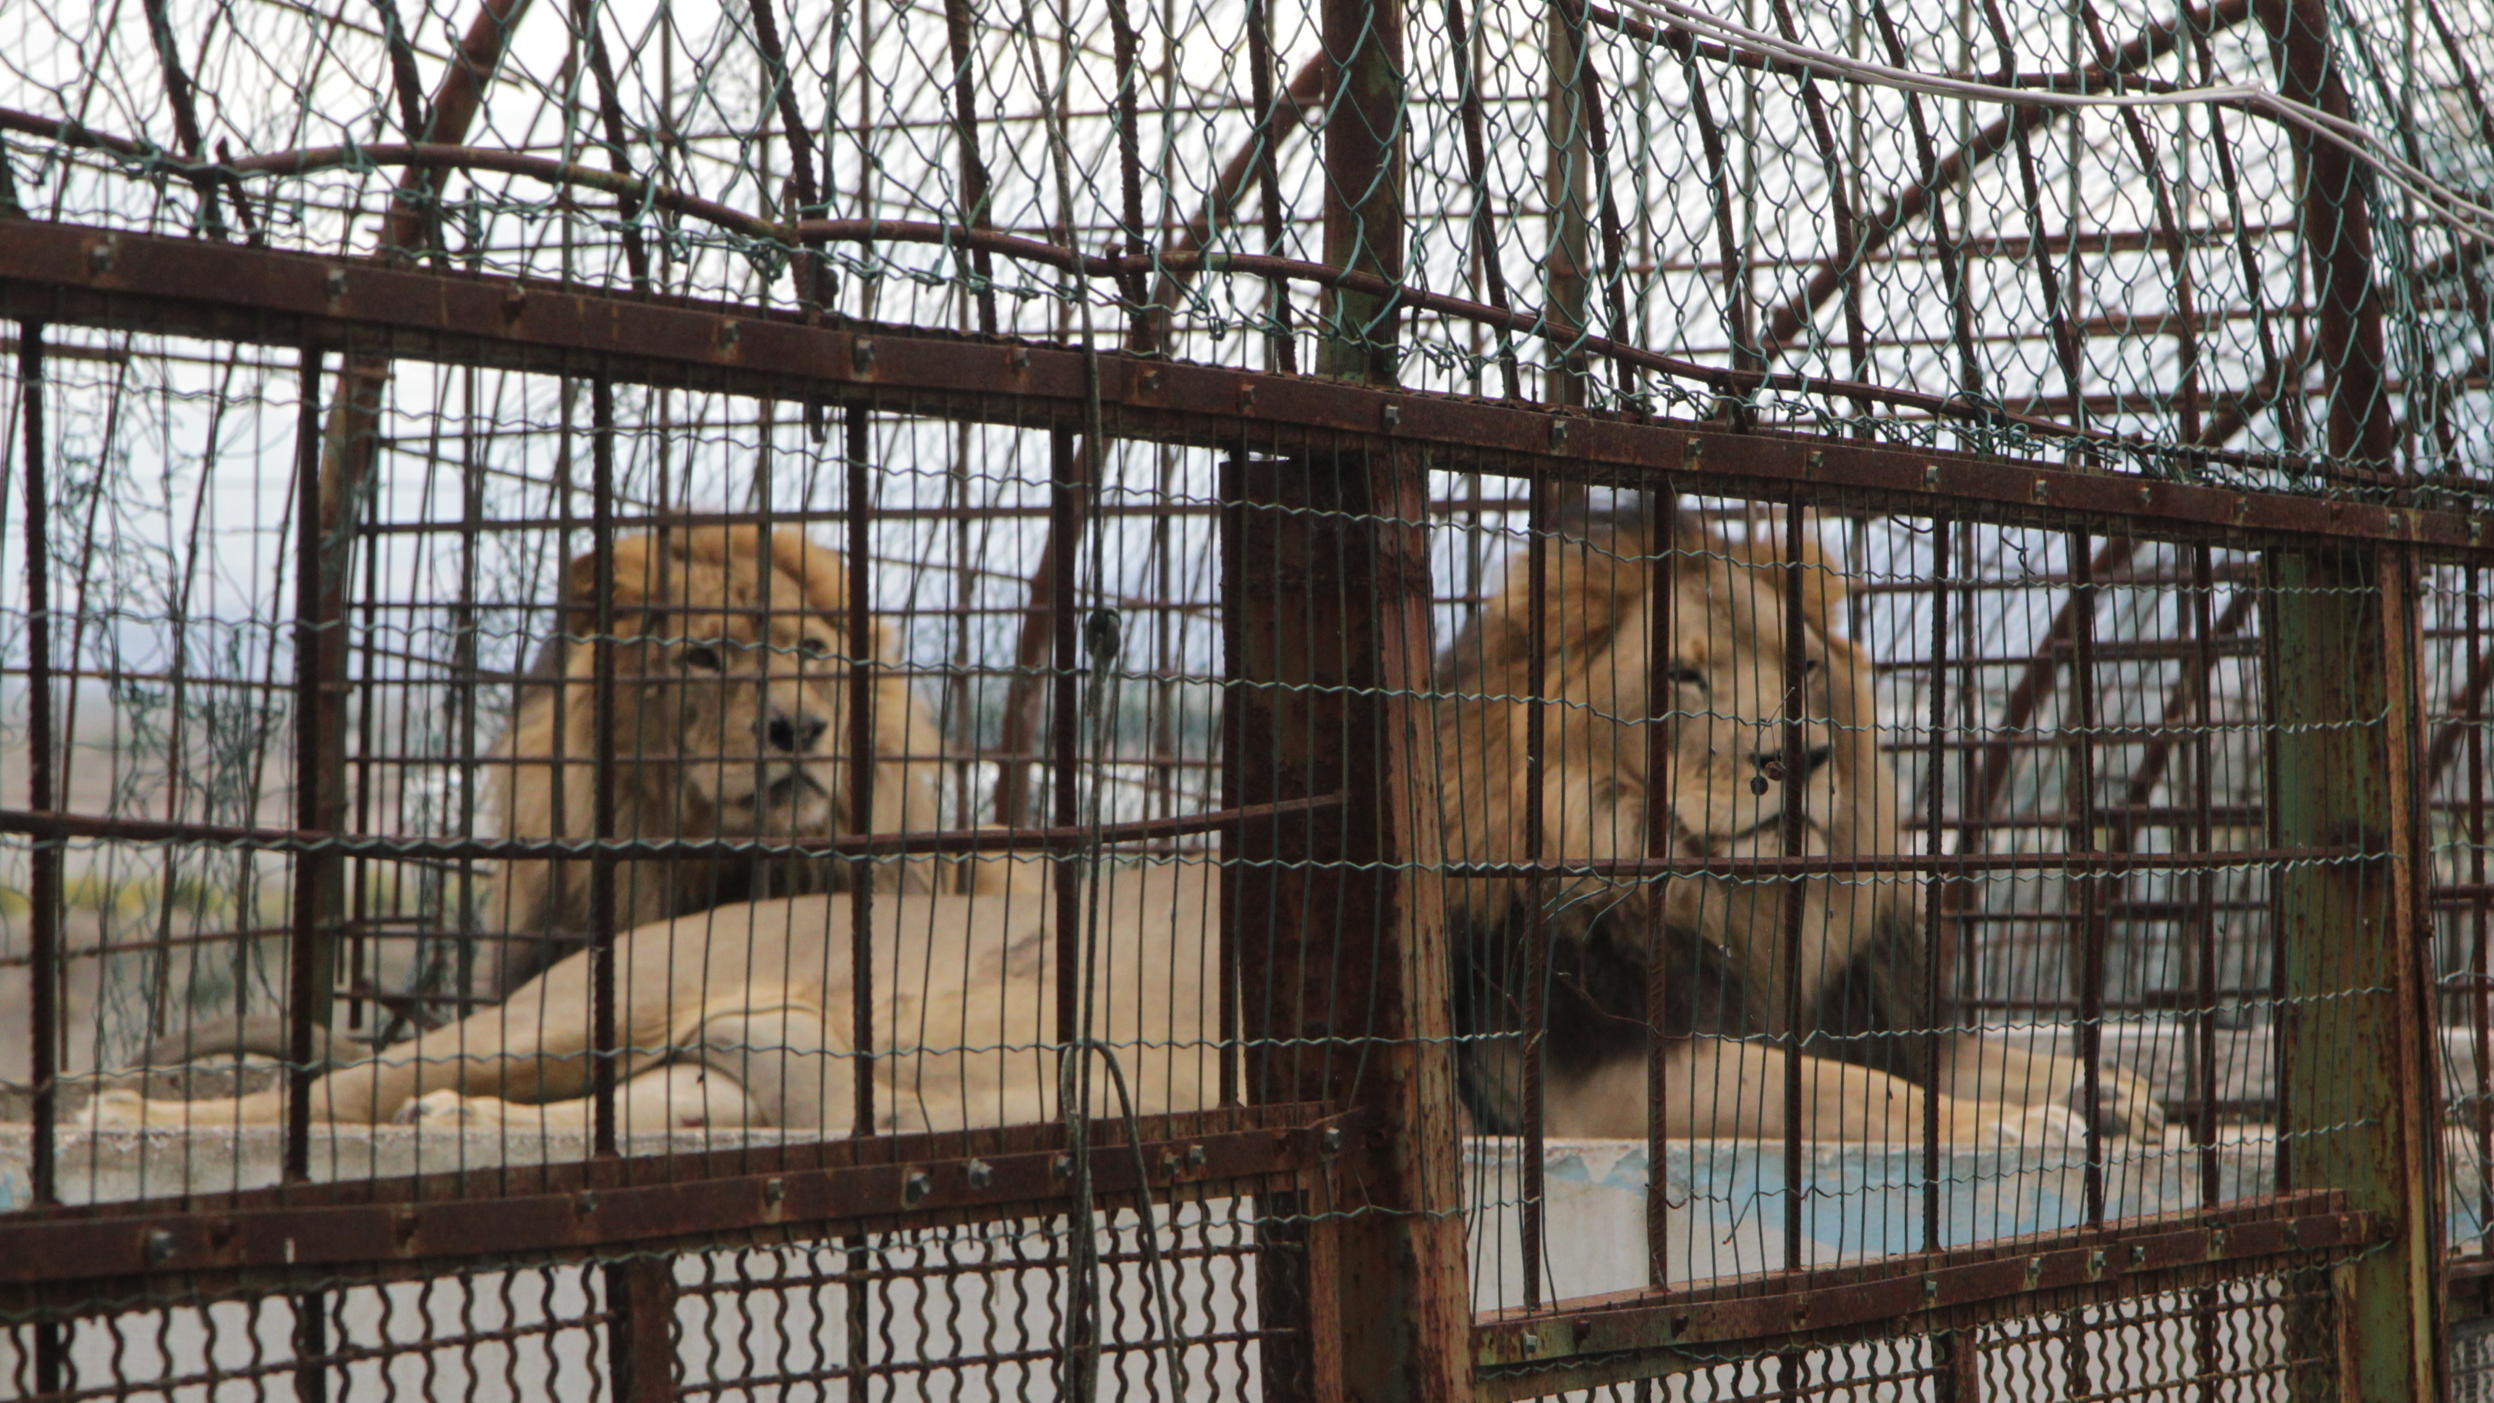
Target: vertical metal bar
(2480, 929)
(610, 117)
(1536, 928)
(1935, 903)
(862, 680)
(1563, 191)
(45, 855)
(1284, 353)
(1363, 160)
(640, 1329)
(311, 813)
(1476, 179)
(1125, 53)
(2203, 716)
(2093, 930)
(1794, 770)
(602, 905)
(1233, 750)
(2347, 697)
(1662, 723)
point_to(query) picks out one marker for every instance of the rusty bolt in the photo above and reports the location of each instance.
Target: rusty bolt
(337, 282)
(1021, 357)
(1558, 435)
(159, 1247)
(727, 332)
(775, 1192)
(980, 1173)
(1393, 415)
(100, 257)
(2042, 490)
(1195, 1157)
(1151, 379)
(586, 1203)
(1531, 1343)
(862, 352)
(514, 302)
(1931, 476)
(917, 1186)
(1331, 1139)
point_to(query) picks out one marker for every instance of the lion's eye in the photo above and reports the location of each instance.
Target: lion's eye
(705, 657)
(1683, 675)
(813, 647)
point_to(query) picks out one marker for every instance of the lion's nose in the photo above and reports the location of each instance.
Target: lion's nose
(795, 733)
(1771, 762)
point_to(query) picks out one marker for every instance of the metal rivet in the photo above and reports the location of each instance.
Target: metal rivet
(1393, 415)
(1816, 460)
(159, 1247)
(586, 1203)
(1246, 396)
(1931, 1288)
(1931, 476)
(337, 282)
(727, 332)
(1531, 1343)
(917, 1186)
(100, 257)
(1195, 1156)
(776, 1191)
(2042, 490)
(2034, 1270)
(514, 301)
(1021, 357)
(980, 1173)
(1558, 434)
(862, 352)
(1063, 1168)
(2095, 1262)
(2146, 495)
(1692, 449)
(2138, 1255)
(1151, 379)
(1331, 1139)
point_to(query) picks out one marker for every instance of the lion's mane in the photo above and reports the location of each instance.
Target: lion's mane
(1725, 954)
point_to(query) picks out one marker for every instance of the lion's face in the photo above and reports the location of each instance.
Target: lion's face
(731, 666)
(1721, 697)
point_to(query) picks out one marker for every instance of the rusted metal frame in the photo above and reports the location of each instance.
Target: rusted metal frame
(1474, 119)
(2178, 256)
(962, 50)
(265, 296)
(610, 115)
(1792, 771)
(186, 119)
(1661, 727)
(1125, 47)
(1537, 973)
(2150, 44)
(1069, 466)
(1565, 176)
(44, 857)
(2137, 807)
(1338, 911)
(1621, 1337)
(2094, 932)
(1233, 744)
(1952, 261)
(640, 1333)
(601, 1205)
(2347, 706)
(314, 815)
(1937, 900)
(1841, 216)
(604, 919)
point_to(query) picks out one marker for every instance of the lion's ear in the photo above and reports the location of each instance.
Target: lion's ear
(822, 575)
(637, 561)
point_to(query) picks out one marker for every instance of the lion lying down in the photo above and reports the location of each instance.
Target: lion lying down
(741, 1016)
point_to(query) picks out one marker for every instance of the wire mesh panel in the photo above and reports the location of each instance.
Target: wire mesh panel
(1357, 700)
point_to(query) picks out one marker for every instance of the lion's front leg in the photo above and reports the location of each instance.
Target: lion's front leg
(677, 1096)
(1991, 1069)
(1731, 1088)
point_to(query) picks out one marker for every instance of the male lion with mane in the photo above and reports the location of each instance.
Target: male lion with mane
(1725, 983)
(730, 655)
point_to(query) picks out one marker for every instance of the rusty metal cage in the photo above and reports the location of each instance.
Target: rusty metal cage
(1196, 701)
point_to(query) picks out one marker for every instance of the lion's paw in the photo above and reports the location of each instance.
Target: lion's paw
(448, 1110)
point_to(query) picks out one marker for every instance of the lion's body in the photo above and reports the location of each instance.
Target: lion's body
(744, 1014)
(1734, 961)
(727, 650)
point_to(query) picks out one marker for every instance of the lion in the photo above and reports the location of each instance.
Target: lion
(730, 659)
(1729, 966)
(742, 1016)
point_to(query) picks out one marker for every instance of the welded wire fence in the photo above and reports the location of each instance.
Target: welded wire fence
(1221, 700)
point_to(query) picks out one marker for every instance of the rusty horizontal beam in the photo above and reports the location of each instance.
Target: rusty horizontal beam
(72, 275)
(646, 1201)
(1942, 863)
(932, 843)
(1584, 1343)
